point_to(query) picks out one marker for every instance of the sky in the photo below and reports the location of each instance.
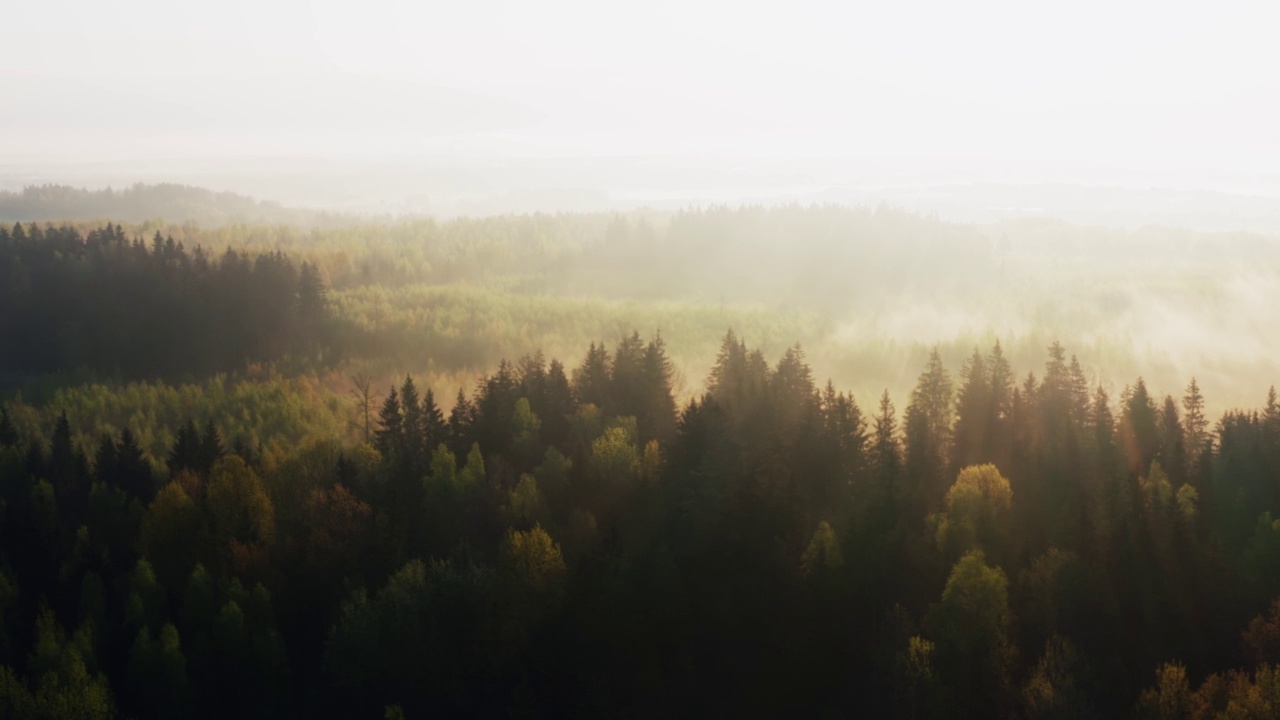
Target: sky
(1109, 86)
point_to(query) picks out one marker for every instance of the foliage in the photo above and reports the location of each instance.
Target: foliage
(553, 546)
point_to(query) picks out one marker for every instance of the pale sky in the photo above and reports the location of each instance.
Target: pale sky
(1149, 85)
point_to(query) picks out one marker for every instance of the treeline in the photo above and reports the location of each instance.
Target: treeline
(268, 411)
(570, 542)
(463, 327)
(795, 254)
(129, 309)
(141, 202)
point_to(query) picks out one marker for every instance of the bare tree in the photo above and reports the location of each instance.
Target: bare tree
(366, 400)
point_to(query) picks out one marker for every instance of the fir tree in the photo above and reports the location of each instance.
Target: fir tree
(389, 437)
(186, 451)
(211, 447)
(8, 433)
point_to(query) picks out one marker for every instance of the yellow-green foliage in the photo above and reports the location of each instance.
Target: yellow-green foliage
(1170, 698)
(524, 506)
(917, 659)
(614, 458)
(239, 507)
(977, 508)
(278, 411)
(823, 554)
(534, 559)
(460, 326)
(977, 486)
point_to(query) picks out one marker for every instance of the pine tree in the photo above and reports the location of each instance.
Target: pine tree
(186, 451)
(531, 372)
(434, 428)
(8, 433)
(791, 383)
(591, 380)
(928, 435)
(462, 420)
(412, 427)
(657, 417)
(104, 461)
(133, 469)
(558, 406)
(845, 424)
(1271, 423)
(312, 296)
(1139, 428)
(211, 447)
(1079, 392)
(494, 401)
(1195, 424)
(1172, 454)
(626, 378)
(69, 473)
(1102, 422)
(61, 454)
(886, 455)
(389, 437)
(973, 412)
(728, 374)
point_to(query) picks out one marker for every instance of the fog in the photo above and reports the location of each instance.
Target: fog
(1132, 124)
(677, 358)
(1163, 94)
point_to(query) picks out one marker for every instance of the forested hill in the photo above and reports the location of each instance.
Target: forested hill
(139, 203)
(572, 542)
(133, 309)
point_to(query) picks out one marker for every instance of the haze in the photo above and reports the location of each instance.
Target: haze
(727, 100)
(575, 359)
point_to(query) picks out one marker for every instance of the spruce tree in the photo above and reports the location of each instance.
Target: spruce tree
(185, 454)
(412, 427)
(389, 437)
(656, 417)
(104, 461)
(973, 412)
(434, 428)
(462, 420)
(8, 433)
(211, 447)
(133, 469)
(592, 379)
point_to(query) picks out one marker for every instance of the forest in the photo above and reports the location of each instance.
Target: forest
(140, 202)
(591, 465)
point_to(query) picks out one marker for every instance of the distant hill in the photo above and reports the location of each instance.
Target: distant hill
(138, 203)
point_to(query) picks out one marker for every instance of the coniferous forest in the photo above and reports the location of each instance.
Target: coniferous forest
(378, 472)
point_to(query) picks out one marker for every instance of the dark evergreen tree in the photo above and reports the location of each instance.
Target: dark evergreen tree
(973, 413)
(462, 425)
(557, 407)
(626, 390)
(495, 399)
(8, 433)
(413, 430)
(186, 451)
(434, 428)
(928, 438)
(1139, 428)
(312, 296)
(133, 470)
(104, 461)
(729, 373)
(656, 416)
(389, 438)
(211, 448)
(591, 381)
(1172, 454)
